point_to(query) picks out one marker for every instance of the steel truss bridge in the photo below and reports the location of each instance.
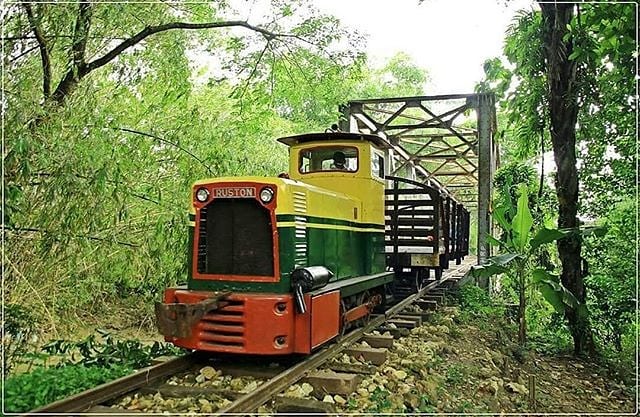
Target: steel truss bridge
(445, 141)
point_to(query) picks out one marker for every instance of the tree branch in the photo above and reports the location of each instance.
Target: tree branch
(81, 34)
(98, 239)
(158, 138)
(17, 57)
(84, 177)
(151, 30)
(71, 78)
(255, 67)
(44, 52)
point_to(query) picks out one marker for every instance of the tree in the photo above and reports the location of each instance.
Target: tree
(563, 111)
(398, 77)
(84, 50)
(574, 69)
(97, 183)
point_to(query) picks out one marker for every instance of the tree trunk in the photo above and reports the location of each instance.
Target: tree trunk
(563, 108)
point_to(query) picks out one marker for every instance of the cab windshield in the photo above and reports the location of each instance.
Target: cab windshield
(329, 158)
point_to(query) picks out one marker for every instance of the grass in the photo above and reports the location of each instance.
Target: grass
(455, 374)
(79, 366)
(42, 386)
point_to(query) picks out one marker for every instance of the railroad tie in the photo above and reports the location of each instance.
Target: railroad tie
(330, 382)
(437, 298)
(403, 323)
(410, 317)
(427, 304)
(424, 316)
(378, 341)
(396, 332)
(376, 356)
(353, 368)
(302, 407)
(112, 412)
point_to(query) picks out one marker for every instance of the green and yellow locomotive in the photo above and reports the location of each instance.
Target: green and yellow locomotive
(283, 265)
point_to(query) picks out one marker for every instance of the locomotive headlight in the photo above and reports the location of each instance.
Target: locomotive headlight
(266, 195)
(202, 195)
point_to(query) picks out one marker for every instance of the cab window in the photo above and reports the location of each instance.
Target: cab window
(329, 158)
(377, 165)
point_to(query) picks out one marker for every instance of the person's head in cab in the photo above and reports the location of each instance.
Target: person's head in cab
(339, 161)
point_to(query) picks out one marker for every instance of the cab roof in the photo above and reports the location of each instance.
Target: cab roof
(334, 136)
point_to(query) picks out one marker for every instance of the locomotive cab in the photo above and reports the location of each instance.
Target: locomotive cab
(348, 163)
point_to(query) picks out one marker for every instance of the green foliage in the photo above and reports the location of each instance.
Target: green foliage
(603, 48)
(381, 401)
(520, 245)
(425, 405)
(398, 77)
(611, 283)
(606, 53)
(522, 222)
(476, 303)
(553, 291)
(474, 298)
(455, 375)
(520, 84)
(548, 332)
(97, 188)
(20, 326)
(78, 366)
(105, 351)
(42, 386)
(509, 178)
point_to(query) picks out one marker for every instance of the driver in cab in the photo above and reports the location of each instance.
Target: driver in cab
(339, 161)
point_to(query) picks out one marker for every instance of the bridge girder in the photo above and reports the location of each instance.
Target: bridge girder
(445, 141)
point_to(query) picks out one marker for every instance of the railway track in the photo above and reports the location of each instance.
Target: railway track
(265, 380)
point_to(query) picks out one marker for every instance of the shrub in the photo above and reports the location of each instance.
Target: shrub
(80, 366)
(42, 386)
(610, 281)
(104, 351)
(19, 328)
(478, 307)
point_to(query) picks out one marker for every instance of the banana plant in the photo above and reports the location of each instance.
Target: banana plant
(518, 245)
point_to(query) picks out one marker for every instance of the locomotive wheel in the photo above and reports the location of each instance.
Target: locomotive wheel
(343, 308)
(358, 300)
(363, 298)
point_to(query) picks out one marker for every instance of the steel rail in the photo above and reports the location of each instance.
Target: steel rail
(251, 401)
(247, 403)
(84, 400)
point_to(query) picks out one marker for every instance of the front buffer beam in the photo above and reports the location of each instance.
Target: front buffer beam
(178, 319)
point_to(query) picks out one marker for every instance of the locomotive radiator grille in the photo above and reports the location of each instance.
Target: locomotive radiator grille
(235, 238)
(224, 327)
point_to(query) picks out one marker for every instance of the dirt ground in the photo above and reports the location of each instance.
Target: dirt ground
(499, 378)
(446, 366)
